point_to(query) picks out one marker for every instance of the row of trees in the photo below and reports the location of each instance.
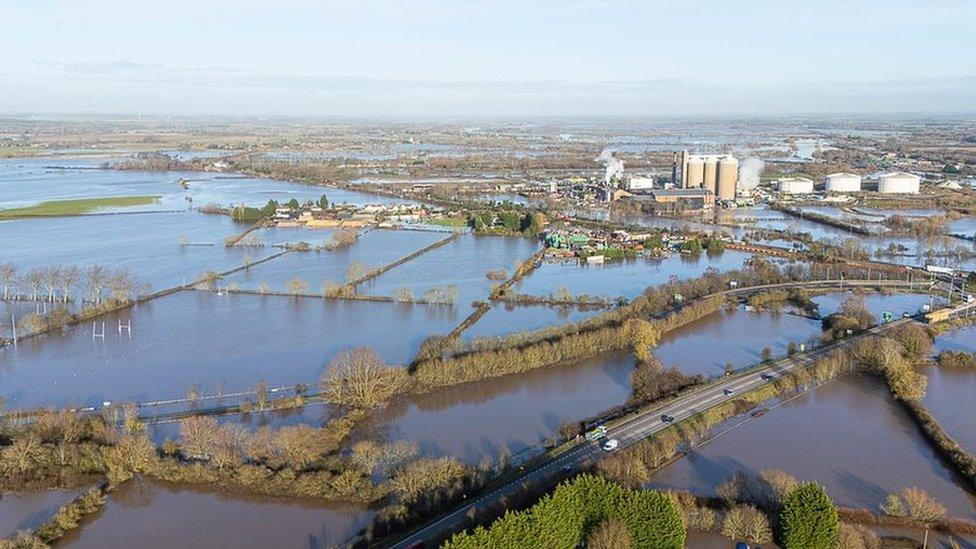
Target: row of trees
(59, 283)
(587, 507)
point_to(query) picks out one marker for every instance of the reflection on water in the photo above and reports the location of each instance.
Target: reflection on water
(28, 510)
(149, 514)
(225, 342)
(849, 435)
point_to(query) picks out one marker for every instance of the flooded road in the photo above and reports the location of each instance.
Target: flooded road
(28, 510)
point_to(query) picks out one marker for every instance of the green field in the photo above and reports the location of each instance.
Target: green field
(55, 208)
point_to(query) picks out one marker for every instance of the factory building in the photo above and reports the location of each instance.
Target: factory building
(843, 182)
(715, 173)
(899, 182)
(795, 185)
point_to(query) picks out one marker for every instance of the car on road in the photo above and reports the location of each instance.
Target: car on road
(666, 418)
(767, 376)
(609, 445)
(728, 392)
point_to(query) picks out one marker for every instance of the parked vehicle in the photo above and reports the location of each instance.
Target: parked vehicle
(666, 418)
(609, 445)
(596, 433)
(729, 392)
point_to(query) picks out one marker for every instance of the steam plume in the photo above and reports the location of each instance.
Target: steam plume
(749, 171)
(615, 167)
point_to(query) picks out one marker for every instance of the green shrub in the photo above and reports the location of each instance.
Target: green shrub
(809, 518)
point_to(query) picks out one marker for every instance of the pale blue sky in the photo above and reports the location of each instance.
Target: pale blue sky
(504, 57)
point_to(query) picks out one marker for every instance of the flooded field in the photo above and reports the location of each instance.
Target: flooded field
(150, 514)
(198, 338)
(27, 181)
(826, 436)
(149, 245)
(504, 318)
(463, 262)
(28, 510)
(951, 394)
(878, 303)
(374, 249)
(627, 278)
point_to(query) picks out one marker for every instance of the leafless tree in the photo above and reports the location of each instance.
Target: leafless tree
(97, 277)
(69, 277)
(8, 277)
(121, 284)
(33, 279)
(296, 286)
(359, 378)
(51, 277)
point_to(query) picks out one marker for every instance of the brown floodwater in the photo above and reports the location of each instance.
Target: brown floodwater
(28, 510)
(150, 514)
(848, 435)
(951, 393)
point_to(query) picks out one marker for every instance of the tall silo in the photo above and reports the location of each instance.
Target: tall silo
(710, 177)
(843, 182)
(728, 178)
(899, 182)
(696, 172)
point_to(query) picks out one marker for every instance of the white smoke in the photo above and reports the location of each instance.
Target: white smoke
(749, 170)
(615, 166)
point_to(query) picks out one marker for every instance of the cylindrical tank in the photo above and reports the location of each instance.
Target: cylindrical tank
(696, 173)
(710, 177)
(728, 178)
(796, 185)
(899, 182)
(843, 183)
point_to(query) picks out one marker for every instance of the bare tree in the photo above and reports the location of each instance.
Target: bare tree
(296, 286)
(51, 277)
(359, 378)
(8, 277)
(34, 278)
(69, 277)
(97, 276)
(121, 284)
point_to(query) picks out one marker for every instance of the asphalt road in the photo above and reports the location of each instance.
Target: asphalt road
(627, 432)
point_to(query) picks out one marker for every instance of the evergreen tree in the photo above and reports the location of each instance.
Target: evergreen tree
(809, 518)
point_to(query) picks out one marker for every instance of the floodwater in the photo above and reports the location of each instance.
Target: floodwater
(27, 181)
(463, 262)
(504, 318)
(848, 435)
(143, 513)
(739, 336)
(229, 342)
(877, 303)
(149, 245)
(951, 394)
(28, 510)
(628, 278)
(374, 249)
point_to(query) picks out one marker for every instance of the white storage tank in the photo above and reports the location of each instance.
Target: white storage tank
(843, 182)
(899, 182)
(710, 180)
(795, 185)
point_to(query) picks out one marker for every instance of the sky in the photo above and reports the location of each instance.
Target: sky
(487, 58)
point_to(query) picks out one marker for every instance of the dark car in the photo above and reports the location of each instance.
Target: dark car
(666, 418)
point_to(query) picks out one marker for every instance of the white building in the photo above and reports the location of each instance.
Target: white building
(795, 185)
(843, 182)
(640, 183)
(899, 182)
